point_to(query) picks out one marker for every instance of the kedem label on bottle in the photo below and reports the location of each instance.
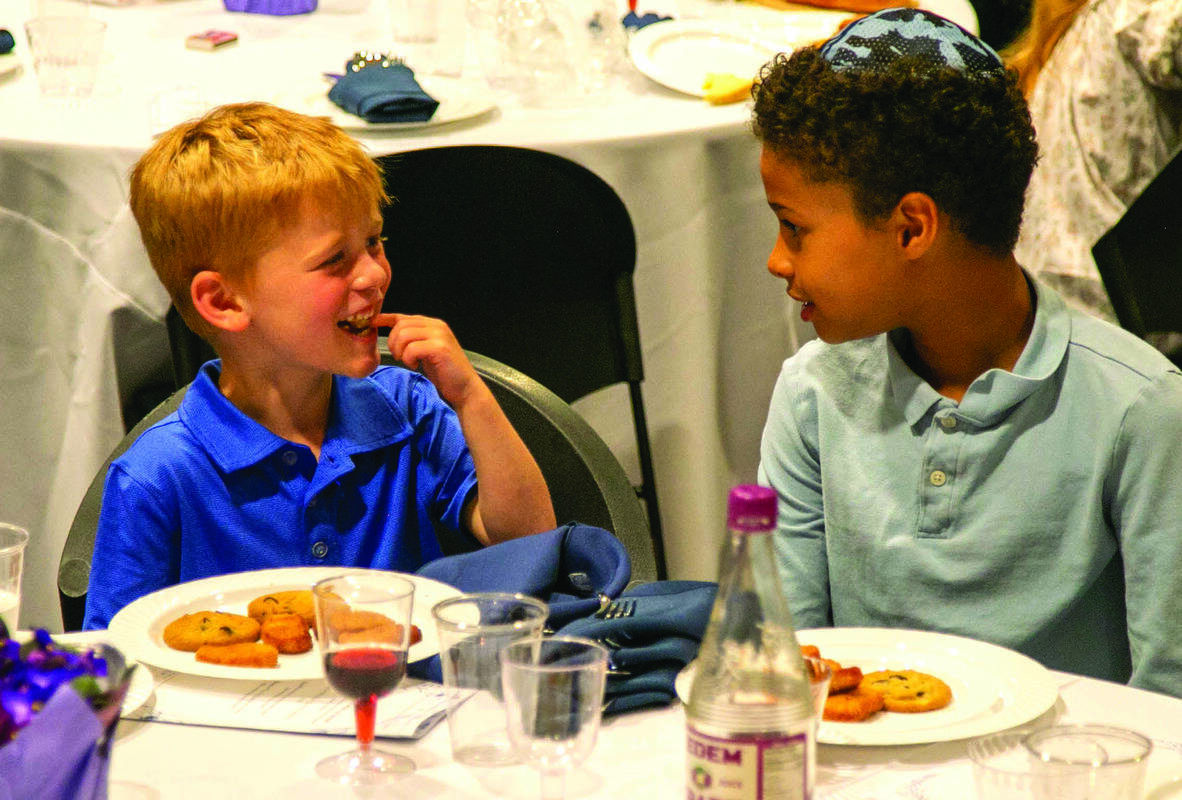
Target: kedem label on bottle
(746, 767)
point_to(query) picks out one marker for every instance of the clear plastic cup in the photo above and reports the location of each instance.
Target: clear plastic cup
(66, 53)
(473, 629)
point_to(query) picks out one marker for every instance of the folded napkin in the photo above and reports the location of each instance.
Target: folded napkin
(275, 8)
(652, 645)
(569, 568)
(634, 22)
(57, 756)
(384, 91)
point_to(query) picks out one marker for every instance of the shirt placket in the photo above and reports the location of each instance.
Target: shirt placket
(939, 478)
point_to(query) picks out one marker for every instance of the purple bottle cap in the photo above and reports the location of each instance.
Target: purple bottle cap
(751, 508)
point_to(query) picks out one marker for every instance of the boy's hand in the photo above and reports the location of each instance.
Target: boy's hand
(427, 344)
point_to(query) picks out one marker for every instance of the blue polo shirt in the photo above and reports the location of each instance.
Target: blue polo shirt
(208, 491)
(1043, 512)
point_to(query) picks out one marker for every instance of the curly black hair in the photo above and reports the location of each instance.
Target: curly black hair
(965, 140)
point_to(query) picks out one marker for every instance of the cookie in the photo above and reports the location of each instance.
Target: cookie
(243, 654)
(908, 691)
(853, 706)
(294, 601)
(287, 633)
(209, 627)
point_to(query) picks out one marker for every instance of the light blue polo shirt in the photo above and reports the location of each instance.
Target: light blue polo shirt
(208, 491)
(1031, 514)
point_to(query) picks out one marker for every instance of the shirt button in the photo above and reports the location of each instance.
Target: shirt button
(319, 550)
(290, 457)
(938, 477)
(948, 422)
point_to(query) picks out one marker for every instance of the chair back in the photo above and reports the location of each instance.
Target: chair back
(529, 258)
(587, 483)
(1140, 257)
(73, 571)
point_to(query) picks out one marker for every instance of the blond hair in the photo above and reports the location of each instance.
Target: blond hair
(1049, 20)
(214, 193)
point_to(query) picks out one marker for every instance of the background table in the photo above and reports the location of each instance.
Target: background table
(81, 320)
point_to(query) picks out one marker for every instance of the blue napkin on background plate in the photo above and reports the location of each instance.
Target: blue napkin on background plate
(383, 92)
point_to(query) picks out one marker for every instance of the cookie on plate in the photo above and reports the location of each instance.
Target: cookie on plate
(908, 691)
(243, 654)
(294, 601)
(191, 631)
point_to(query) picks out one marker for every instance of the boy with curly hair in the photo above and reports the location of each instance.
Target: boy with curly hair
(295, 448)
(959, 451)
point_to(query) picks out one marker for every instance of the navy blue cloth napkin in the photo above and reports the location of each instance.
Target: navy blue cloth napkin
(568, 567)
(571, 568)
(383, 92)
(650, 647)
(6, 41)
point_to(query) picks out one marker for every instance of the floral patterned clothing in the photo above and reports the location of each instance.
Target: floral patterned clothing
(1107, 109)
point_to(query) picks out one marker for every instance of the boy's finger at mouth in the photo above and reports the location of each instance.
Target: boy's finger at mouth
(385, 320)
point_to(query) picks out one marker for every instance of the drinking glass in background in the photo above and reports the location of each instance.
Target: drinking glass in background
(1089, 762)
(66, 51)
(430, 35)
(363, 624)
(820, 674)
(473, 630)
(553, 704)
(13, 540)
(1066, 762)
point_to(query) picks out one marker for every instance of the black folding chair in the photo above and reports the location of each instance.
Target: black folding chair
(1140, 257)
(529, 258)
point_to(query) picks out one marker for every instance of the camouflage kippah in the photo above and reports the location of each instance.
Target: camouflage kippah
(875, 42)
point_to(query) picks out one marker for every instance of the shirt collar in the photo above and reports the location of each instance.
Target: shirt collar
(993, 394)
(361, 418)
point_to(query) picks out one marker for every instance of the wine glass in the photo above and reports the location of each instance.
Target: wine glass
(363, 625)
(553, 703)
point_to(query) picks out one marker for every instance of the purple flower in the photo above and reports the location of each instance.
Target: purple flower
(30, 674)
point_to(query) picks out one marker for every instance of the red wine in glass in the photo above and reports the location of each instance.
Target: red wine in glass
(365, 671)
(363, 625)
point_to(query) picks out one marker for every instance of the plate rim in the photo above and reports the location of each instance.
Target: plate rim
(641, 43)
(129, 632)
(448, 91)
(1044, 691)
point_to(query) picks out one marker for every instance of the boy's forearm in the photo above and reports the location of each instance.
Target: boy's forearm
(512, 499)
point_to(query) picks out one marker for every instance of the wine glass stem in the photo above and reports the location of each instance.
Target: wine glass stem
(553, 785)
(366, 711)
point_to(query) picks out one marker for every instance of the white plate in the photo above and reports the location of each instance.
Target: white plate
(139, 627)
(679, 53)
(458, 100)
(992, 688)
(9, 62)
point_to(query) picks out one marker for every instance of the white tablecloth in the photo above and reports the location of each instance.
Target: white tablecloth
(83, 323)
(639, 755)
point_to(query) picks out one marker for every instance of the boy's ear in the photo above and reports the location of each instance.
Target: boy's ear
(217, 302)
(918, 222)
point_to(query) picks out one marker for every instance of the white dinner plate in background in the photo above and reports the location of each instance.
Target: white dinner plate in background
(679, 53)
(459, 100)
(138, 629)
(993, 688)
(9, 62)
